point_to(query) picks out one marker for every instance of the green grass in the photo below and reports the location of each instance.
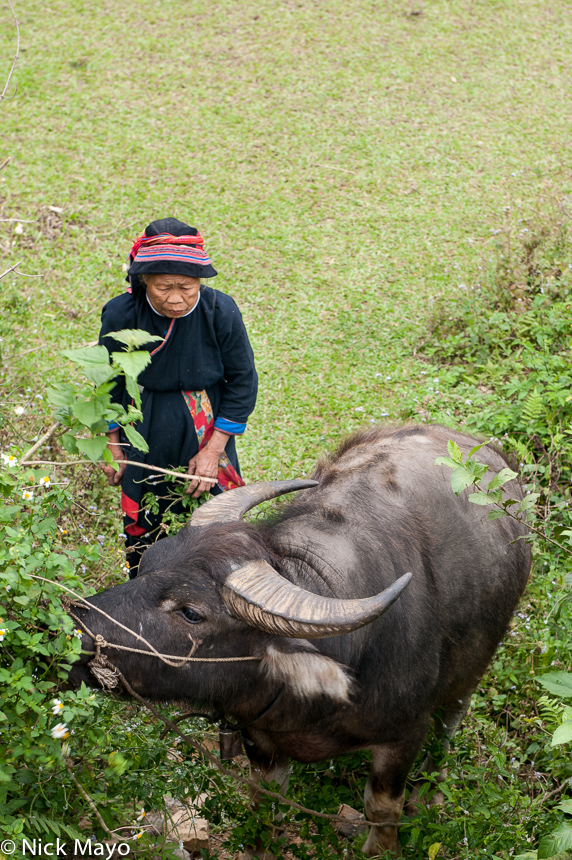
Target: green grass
(340, 175)
(349, 165)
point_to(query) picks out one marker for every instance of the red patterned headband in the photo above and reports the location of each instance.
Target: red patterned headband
(144, 241)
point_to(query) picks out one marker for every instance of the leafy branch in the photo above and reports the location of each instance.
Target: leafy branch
(91, 408)
(469, 472)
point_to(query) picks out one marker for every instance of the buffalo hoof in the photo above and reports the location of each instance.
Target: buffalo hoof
(383, 843)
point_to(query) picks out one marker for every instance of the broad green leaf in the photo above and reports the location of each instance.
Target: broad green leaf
(93, 448)
(460, 479)
(495, 515)
(528, 502)
(89, 412)
(477, 470)
(132, 416)
(454, 451)
(503, 476)
(563, 734)
(105, 388)
(565, 806)
(62, 394)
(475, 449)
(94, 362)
(131, 363)
(434, 850)
(133, 390)
(69, 443)
(134, 337)
(445, 461)
(479, 498)
(108, 457)
(530, 855)
(88, 355)
(9, 513)
(557, 683)
(556, 843)
(136, 438)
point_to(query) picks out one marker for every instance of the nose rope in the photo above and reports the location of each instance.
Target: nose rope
(100, 642)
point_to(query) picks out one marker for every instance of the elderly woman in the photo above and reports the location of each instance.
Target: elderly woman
(199, 388)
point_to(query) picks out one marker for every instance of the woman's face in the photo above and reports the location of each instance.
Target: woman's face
(172, 295)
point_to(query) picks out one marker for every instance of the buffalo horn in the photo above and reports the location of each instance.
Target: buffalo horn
(233, 504)
(257, 594)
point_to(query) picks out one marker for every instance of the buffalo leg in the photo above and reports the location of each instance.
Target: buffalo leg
(265, 768)
(385, 792)
(446, 725)
(268, 768)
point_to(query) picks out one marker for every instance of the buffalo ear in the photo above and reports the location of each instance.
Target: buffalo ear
(305, 671)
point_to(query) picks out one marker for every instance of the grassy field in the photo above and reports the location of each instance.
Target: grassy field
(350, 166)
(347, 163)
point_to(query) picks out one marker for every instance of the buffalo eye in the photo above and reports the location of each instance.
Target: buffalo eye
(192, 616)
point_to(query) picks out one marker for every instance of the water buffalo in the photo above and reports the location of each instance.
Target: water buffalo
(375, 598)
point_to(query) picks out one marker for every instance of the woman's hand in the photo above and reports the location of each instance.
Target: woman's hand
(206, 463)
(114, 477)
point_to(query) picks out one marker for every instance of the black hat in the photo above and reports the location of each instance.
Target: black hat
(169, 247)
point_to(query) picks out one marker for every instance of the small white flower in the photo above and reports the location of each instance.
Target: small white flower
(57, 707)
(359, 409)
(78, 633)
(45, 481)
(3, 632)
(27, 495)
(19, 410)
(18, 229)
(60, 731)
(9, 460)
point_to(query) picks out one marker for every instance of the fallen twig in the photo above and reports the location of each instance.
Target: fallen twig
(11, 269)
(544, 797)
(333, 167)
(86, 797)
(28, 351)
(40, 442)
(15, 60)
